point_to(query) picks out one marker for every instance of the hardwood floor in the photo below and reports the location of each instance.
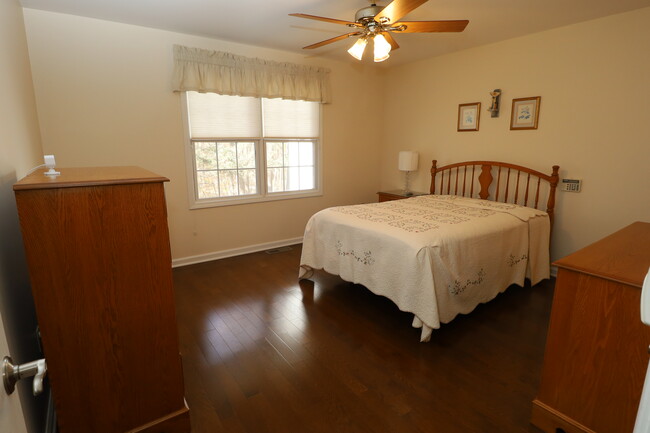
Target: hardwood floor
(262, 353)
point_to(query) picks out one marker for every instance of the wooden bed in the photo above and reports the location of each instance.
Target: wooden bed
(463, 175)
(442, 254)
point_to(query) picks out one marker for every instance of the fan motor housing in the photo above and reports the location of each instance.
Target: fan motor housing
(367, 14)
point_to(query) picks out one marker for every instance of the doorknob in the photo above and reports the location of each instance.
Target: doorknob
(13, 373)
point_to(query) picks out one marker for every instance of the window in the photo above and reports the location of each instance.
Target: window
(246, 149)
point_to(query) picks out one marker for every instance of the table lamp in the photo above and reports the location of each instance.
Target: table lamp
(408, 162)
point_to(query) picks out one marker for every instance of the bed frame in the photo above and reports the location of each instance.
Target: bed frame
(453, 179)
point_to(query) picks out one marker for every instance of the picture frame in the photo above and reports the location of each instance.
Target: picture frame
(469, 117)
(525, 113)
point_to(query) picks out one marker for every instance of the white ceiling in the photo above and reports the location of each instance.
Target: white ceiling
(267, 24)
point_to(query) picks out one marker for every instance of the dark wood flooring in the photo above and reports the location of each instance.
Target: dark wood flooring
(262, 353)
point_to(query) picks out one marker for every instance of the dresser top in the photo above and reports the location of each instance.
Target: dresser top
(623, 256)
(87, 176)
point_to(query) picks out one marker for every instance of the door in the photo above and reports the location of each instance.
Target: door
(11, 412)
(19, 412)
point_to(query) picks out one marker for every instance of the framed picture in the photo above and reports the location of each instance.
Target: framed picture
(525, 113)
(469, 116)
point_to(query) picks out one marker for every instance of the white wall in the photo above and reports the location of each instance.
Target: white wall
(593, 80)
(20, 149)
(104, 98)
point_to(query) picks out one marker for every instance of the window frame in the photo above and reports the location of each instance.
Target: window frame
(261, 168)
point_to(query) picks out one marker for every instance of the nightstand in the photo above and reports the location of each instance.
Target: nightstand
(397, 194)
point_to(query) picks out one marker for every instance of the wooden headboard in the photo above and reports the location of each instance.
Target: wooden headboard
(459, 179)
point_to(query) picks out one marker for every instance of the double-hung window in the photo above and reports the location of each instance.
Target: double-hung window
(246, 149)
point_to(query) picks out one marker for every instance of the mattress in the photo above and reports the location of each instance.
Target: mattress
(434, 256)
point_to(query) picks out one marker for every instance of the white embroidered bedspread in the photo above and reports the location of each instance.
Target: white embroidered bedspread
(434, 256)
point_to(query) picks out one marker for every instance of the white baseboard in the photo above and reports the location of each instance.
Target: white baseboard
(191, 260)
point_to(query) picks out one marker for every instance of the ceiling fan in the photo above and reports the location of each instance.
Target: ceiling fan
(378, 22)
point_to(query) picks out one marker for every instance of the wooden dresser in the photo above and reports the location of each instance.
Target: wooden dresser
(98, 252)
(597, 348)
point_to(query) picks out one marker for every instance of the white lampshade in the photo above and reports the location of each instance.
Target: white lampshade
(408, 160)
(357, 49)
(382, 48)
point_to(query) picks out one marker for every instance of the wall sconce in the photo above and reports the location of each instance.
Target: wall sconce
(495, 105)
(408, 162)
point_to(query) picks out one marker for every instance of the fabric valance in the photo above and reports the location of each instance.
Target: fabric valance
(228, 74)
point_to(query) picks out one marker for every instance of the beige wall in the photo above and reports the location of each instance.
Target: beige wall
(20, 141)
(20, 149)
(104, 98)
(595, 109)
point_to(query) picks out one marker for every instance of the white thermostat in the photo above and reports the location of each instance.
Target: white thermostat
(570, 185)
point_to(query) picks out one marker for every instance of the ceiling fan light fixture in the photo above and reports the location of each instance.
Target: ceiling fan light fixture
(358, 48)
(382, 48)
(379, 23)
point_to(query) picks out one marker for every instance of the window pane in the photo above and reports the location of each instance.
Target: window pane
(274, 179)
(306, 153)
(211, 115)
(291, 157)
(208, 184)
(232, 169)
(295, 155)
(274, 154)
(228, 183)
(227, 154)
(306, 178)
(246, 155)
(292, 179)
(286, 118)
(206, 155)
(247, 182)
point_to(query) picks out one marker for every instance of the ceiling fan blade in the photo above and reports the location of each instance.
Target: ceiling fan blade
(329, 41)
(432, 26)
(389, 38)
(397, 9)
(328, 20)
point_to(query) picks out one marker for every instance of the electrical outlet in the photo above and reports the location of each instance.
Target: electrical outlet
(571, 185)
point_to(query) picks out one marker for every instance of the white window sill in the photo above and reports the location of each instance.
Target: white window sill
(232, 201)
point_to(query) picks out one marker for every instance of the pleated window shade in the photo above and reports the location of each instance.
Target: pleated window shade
(212, 115)
(286, 118)
(222, 116)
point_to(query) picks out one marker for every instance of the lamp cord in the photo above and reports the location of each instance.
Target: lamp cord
(33, 170)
